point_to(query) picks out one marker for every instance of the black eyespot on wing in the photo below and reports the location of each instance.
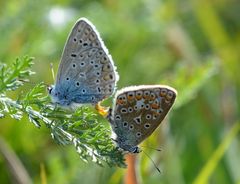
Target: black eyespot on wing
(73, 65)
(130, 109)
(85, 44)
(148, 116)
(131, 127)
(147, 125)
(73, 55)
(125, 124)
(123, 110)
(147, 106)
(118, 117)
(138, 134)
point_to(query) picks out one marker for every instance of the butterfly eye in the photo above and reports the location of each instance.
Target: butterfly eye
(49, 90)
(136, 150)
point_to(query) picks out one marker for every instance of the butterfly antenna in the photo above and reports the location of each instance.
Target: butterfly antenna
(51, 66)
(156, 149)
(152, 161)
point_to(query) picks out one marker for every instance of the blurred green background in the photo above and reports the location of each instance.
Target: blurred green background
(193, 46)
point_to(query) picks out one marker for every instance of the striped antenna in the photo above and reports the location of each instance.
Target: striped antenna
(51, 65)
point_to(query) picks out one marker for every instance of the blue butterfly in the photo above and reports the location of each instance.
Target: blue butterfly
(86, 74)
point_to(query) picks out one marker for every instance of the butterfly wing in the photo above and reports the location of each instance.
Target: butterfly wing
(139, 110)
(86, 68)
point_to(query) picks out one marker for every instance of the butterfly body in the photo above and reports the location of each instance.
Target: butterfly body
(137, 112)
(86, 73)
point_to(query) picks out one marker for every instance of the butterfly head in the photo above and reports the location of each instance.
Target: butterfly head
(50, 89)
(53, 94)
(126, 148)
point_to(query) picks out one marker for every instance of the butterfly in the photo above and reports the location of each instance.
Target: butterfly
(86, 74)
(137, 111)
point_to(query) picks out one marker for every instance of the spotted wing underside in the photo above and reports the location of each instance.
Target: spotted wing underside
(86, 63)
(139, 110)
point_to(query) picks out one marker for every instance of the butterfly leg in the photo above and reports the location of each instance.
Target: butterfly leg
(102, 110)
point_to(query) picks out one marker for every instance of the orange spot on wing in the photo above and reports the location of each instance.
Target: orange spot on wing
(138, 97)
(146, 97)
(130, 98)
(119, 102)
(154, 106)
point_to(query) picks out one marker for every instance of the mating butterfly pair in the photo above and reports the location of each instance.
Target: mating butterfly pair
(87, 74)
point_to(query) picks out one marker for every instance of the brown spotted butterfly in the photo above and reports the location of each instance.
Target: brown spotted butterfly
(137, 111)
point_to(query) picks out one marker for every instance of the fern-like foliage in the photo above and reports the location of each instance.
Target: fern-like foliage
(80, 128)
